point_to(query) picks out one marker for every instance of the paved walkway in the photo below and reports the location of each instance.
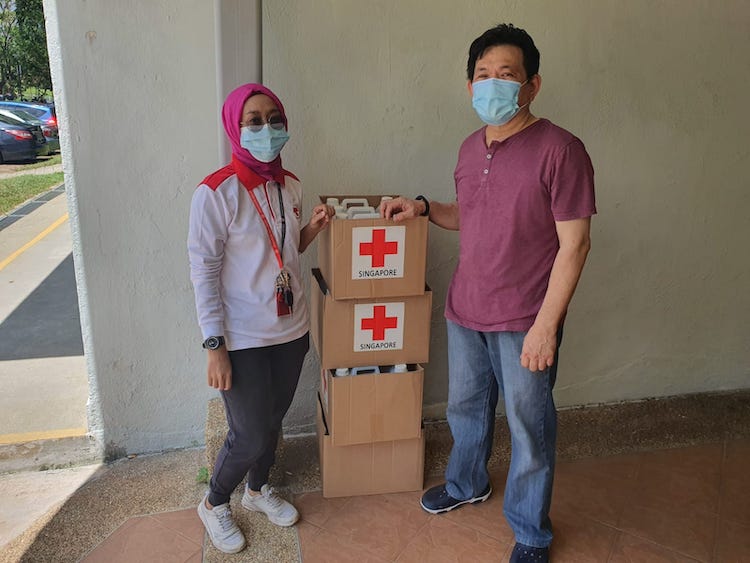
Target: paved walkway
(677, 505)
(43, 379)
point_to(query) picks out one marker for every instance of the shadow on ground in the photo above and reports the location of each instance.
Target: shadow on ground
(47, 324)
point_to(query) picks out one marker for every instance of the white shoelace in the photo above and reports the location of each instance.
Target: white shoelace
(273, 499)
(225, 519)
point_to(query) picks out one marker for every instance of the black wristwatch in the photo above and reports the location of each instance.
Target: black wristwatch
(426, 205)
(213, 342)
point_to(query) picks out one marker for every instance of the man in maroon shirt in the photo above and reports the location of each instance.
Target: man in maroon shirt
(524, 201)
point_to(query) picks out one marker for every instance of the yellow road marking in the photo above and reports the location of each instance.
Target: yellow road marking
(33, 241)
(41, 435)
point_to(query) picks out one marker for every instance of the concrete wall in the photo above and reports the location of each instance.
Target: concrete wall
(377, 102)
(136, 92)
(376, 97)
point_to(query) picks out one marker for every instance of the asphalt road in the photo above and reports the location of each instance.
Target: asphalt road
(43, 381)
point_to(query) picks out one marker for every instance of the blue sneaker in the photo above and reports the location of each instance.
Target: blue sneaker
(437, 499)
(527, 554)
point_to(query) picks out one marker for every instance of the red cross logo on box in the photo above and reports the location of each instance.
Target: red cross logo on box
(379, 322)
(378, 252)
(378, 248)
(378, 326)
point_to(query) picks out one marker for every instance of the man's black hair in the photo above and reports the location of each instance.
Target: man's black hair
(505, 34)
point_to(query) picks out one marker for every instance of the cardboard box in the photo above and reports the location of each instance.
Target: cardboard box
(369, 469)
(373, 257)
(372, 408)
(373, 331)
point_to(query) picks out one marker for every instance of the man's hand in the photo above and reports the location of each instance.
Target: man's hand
(539, 349)
(540, 344)
(401, 208)
(219, 369)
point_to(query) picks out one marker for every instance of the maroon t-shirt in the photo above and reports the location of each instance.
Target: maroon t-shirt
(509, 197)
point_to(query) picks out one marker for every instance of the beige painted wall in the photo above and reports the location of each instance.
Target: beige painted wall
(376, 96)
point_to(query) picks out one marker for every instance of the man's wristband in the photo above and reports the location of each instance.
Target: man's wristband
(426, 205)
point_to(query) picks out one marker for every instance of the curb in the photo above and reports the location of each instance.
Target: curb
(26, 208)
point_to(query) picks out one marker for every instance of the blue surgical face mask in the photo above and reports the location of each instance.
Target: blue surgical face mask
(496, 100)
(265, 144)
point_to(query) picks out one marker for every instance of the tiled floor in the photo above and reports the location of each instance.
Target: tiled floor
(168, 537)
(688, 504)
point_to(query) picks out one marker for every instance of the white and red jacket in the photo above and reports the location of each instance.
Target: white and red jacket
(232, 264)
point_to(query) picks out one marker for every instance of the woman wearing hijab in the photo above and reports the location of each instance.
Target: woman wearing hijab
(244, 243)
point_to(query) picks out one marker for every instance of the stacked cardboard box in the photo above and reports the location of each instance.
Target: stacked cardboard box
(371, 307)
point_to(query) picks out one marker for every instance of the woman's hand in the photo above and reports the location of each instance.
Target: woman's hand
(321, 216)
(219, 369)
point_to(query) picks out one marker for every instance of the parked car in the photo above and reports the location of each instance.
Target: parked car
(50, 131)
(42, 149)
(43, 112)
(18, 142)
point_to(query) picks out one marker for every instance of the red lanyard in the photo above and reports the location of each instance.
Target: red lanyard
(272, 238)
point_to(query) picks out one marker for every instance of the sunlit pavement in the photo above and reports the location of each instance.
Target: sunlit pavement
(43, 382)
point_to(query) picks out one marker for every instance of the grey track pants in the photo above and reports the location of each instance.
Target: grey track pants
(263, 384)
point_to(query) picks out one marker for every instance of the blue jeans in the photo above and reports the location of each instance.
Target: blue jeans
(480, 363)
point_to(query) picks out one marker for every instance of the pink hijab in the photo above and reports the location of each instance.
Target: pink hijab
(231, 115)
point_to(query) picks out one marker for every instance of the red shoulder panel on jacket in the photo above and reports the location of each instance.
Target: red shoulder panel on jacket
(215, 179)
(287, 173)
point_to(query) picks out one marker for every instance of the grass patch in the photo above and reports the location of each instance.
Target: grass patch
(14, 191)
(203, 475)
(44, 161)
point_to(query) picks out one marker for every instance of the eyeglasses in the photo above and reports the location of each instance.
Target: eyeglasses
(256, 124)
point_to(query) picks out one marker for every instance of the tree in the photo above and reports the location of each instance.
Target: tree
(31, 45)
(24, 62)
(8, 52)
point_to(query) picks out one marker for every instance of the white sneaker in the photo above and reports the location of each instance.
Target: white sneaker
(221, 527)
(279, 511)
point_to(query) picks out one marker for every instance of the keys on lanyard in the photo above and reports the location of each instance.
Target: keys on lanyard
(284, 295)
